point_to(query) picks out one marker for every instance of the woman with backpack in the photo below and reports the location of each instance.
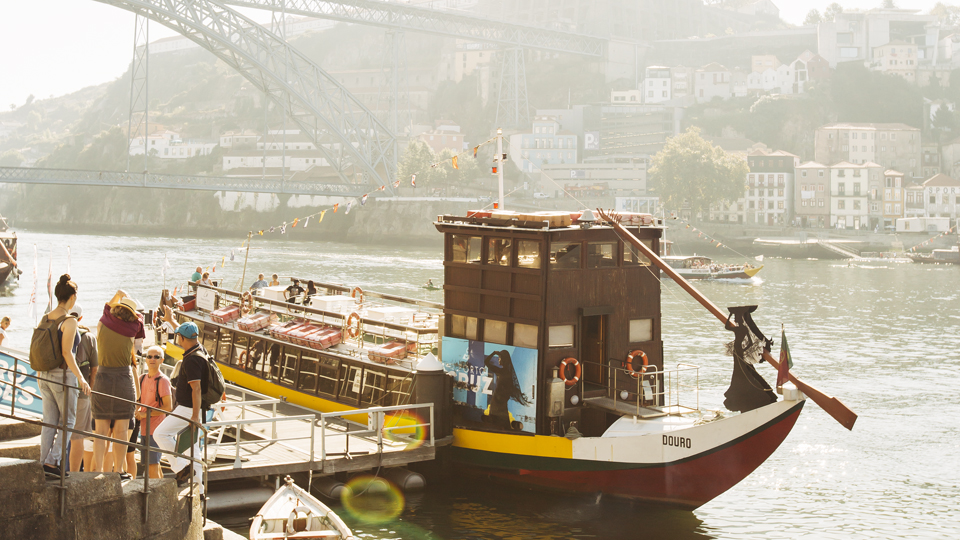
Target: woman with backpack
(118, 329)
(52, 355)
(154, 392)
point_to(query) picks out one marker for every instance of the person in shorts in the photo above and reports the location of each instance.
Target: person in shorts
(155, 391)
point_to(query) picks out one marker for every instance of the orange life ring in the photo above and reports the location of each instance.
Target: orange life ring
(629, 363)
(355, 292)
(353, 325)
(242, 359)
(563, 370)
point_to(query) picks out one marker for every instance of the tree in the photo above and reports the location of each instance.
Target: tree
(888, 4)
(944, 121)
(691, 169)
(813, 17)
(861, 95)
(11, 158)
(30, 99)
(832, 11)
(948, 15)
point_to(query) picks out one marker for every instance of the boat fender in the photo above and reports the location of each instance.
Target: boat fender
(629, 363)
(563, 370)
(295, 523)
(353, 325)
(357, 292)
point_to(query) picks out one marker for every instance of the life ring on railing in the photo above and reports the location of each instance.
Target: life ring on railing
(357, 291)
(246, 303)
(629, 363)
(292, 526)
(563, 370)
(242, 359)
(353, 325)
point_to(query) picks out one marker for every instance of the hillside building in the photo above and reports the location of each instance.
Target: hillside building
(893, 146)
(811, 195)
(544, 144)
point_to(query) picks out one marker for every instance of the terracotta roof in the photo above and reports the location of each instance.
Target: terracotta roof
(881, 127)
(713, 66)
(891, 172)
(811, 165)
(940, 180)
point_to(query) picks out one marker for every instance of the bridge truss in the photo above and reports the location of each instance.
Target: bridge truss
(34, 176)
(351, 138)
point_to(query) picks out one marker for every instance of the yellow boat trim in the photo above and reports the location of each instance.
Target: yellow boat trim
(274, 390)
(504, 443)
(753, 271)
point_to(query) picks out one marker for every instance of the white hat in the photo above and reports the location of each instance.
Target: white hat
(76, 310)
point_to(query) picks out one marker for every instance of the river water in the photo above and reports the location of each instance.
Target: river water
(884, 340)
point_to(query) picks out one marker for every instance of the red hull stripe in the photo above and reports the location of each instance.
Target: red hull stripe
(689, 483)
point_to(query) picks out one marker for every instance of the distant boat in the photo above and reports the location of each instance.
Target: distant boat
(8, 252)
(293, 513)
(938, 256)
(699, 267)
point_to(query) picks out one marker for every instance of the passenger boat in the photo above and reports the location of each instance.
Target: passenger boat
(293, 513)
(699, 267)
(550, 335)
(8, 252)
(938, 256)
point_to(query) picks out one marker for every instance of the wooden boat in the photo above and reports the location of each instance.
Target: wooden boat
(293, 513)
(551, 333)
(699, 267)
(8, 253)
(938, 256)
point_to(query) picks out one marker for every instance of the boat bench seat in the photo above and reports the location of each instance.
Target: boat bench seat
(304, 535)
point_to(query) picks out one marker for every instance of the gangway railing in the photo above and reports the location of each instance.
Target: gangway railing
(850, 253)
(377, 426)
(13, 380)
(648, 392)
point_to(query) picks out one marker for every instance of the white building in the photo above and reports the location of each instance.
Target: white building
(544, 144)
(291, 150)
(168, 145)
(230, 139)
(712, 81)
(657, 84)
(853, 35)
(626, 96)
(849, 194)
(941, 197)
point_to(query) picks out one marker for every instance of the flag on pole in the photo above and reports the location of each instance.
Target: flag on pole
(785, 361)
(454, 160)
(223, 261)
(232, 255)
(49, 288)
(363, 200)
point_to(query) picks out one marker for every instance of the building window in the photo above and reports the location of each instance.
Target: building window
(560, 336)
(780, 205)
(821, 202)
(841, 204)
(820, 173)
(803, 173)
(856, 188)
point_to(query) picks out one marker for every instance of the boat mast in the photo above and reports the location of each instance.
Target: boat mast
(499, 161)
(833, 406)
(243, 277)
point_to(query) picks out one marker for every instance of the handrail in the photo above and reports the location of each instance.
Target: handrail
(378, 415)
(145, 449)
(664, 392)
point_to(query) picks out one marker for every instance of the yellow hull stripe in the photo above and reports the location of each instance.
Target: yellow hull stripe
(537, 445)
(752, 271)
(274, 390)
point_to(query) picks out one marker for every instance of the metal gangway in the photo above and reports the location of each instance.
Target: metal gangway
(850, 253)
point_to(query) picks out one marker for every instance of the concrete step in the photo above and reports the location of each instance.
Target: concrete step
(28, 448)
(15, 429)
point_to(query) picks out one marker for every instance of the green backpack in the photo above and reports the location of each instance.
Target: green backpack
(45, 350)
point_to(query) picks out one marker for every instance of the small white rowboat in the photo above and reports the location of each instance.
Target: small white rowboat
(293, 513)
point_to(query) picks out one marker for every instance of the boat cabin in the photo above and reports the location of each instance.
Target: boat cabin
(681, 262)
(525, 296)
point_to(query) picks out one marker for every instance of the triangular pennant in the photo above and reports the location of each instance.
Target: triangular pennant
(260, 232)
(363, 200)
(454, 161)
(349, 206)
(475, 148)
(283, 228)
(335, 207)
(320, 220)
(306, 221)
(413, 180)
(272, 229)
(397, 183)
(295, 221)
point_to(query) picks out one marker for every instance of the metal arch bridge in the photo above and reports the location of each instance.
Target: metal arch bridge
(34, 176)
(350, 137)
(396, 15)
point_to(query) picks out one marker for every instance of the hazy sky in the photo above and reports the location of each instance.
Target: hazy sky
(59, 46)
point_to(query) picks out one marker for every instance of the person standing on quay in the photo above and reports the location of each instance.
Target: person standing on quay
(119, 329)
(4, 324)
(81, 446)
(60, 401)
(154, 392)
(190, 386)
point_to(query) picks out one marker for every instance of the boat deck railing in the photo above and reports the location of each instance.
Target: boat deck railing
(648, 393)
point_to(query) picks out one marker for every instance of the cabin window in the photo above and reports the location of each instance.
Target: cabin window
(328, 375)
(239, 350)
(288, 367)
(499, 251)
(561, 336)
(528, 254)
(633, 257)
(225, 347)
(466, 249)
(641, 330)
(495, 331)
(309, 365)
(601, 254)
(463, 327)
(209, 333)
(352, 384)
(525, 335)
(398, 390)
(565, 255)
(374, 387)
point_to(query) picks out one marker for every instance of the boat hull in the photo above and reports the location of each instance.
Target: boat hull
(651, 467)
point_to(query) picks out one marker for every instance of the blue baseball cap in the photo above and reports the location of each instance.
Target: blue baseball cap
(188, 330)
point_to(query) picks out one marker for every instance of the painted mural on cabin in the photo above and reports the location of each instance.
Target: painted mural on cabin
(496, 385)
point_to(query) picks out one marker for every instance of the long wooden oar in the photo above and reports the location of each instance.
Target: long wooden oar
(833, 406)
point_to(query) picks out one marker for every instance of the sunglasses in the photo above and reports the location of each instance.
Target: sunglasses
(153, 356)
